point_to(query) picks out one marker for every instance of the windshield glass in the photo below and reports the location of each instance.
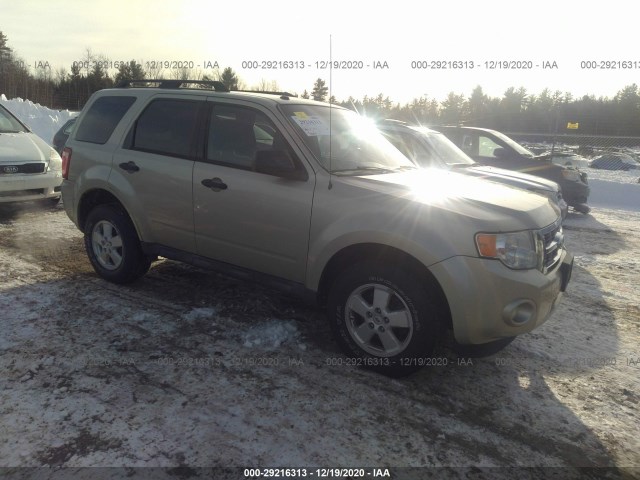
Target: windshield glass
(444, 149)
(515, 145)
(8, 124)
(348, 145)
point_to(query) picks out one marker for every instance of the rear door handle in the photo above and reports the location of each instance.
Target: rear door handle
(130, 167)
(216, 184)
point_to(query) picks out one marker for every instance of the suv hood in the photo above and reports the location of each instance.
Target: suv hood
(22, 148)
(510, 177)
(489, 205)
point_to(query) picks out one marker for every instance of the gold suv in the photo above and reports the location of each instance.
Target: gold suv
(311, 198)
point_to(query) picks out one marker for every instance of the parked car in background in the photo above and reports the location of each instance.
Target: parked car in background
(429, 148)
(614, 161)
(62, 134)
(567, 159)
(29, 168)
(489, 147)
(312, 199)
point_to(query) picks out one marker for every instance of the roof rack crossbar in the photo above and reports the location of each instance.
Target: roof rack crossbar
(165, 83)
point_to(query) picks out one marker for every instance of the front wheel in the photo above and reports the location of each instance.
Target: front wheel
(113, 246)
(384, 318)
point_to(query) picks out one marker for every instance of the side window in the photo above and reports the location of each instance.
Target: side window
(237, 135)
(102, 118)
(467, 145)
(169, 127)
(486, 147)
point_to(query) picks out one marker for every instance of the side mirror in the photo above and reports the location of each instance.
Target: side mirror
(279, 164)
(500, 153)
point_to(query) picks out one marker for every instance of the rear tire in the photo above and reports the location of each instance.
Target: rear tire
(582, 208)
(384, 318)
(113, 246)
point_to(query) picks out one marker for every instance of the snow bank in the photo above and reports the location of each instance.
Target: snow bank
(44, 121)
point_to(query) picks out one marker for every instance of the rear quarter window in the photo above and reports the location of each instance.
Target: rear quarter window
(102, 118)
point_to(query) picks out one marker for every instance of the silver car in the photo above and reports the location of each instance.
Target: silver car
(29, 168)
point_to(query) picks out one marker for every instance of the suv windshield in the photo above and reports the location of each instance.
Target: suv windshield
(344, 142)
(443, 148)
(9, 124)
(513, 144)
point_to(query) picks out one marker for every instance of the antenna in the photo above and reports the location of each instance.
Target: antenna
(330, 186)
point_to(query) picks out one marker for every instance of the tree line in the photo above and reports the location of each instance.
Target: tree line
(516, 111)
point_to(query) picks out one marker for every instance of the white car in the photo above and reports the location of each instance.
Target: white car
(29, 168)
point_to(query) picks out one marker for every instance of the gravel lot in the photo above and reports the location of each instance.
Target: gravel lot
(187, 368)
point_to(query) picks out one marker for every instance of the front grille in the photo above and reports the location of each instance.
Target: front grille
(553, 243)
(22, 168)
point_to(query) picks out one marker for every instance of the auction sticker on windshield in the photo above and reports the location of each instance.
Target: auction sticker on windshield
(311, 125)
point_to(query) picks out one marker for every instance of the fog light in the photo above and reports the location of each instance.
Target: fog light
(519, 312)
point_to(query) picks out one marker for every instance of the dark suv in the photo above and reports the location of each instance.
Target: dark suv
(489, 147)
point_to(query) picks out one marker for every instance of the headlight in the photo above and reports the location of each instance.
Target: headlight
(571, 175)
(518, 250)
(55, 162)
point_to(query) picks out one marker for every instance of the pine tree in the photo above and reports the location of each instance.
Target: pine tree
(130, 71)
(319, 91)
(229, 78)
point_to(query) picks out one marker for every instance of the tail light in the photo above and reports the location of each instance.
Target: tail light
(66, 162)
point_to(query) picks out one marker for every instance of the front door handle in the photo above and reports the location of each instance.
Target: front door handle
(130, 167)
(216, 184)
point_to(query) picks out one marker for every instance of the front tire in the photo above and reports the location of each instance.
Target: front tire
(386, 319)
(113, 246)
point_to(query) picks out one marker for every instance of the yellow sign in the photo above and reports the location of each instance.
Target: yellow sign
(573, 126)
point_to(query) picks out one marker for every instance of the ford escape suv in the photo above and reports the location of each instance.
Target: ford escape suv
(311, 198)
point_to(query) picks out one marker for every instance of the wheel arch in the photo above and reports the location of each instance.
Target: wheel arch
(95, 197)
(383, 254)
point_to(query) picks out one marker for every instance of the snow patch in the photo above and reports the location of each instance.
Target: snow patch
(197, 313)
(272, 334)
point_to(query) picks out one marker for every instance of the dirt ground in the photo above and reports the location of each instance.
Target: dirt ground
(187, 368)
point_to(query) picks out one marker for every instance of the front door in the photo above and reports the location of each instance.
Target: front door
(249, 219)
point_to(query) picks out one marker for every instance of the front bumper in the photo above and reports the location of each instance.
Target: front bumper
(27, 187)
(489, 301)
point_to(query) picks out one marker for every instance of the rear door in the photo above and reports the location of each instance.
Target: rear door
(154, 169)
(253, 220)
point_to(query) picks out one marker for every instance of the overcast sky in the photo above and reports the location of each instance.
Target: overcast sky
(58, 32)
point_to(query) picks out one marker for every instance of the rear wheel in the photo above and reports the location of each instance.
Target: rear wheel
(113, 246)
(582, 208)
(384, 318)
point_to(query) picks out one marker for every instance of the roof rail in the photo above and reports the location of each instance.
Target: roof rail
(164, 83)
(282, 94)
